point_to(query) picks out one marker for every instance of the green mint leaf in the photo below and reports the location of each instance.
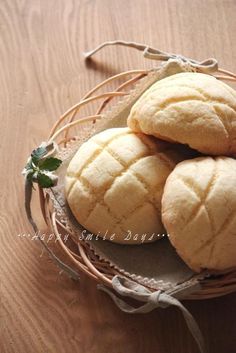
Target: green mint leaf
(44, 181)
(29, 165)
(37, 154)
(50, 164)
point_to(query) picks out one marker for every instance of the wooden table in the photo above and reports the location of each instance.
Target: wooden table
(42, 73)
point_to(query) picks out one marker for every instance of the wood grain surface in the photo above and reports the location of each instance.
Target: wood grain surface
(42, 73)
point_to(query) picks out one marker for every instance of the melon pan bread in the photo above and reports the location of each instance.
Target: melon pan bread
(199, 212)
(190, 108)
(115, 181)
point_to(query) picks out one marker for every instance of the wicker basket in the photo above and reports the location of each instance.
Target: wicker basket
(65, 132)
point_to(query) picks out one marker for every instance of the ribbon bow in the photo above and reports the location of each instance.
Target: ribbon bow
(152, 300)
(43, 154)
(207, 66)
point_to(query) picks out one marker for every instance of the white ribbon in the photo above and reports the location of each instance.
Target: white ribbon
(152, 300)
(207, 66)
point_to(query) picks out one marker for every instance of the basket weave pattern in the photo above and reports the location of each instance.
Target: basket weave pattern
(65, 133)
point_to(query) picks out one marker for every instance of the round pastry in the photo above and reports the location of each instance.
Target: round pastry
(190, 108)
(114, 185)
(199, 212)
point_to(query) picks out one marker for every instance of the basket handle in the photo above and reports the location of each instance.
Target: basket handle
(207, 66)
(152, 300)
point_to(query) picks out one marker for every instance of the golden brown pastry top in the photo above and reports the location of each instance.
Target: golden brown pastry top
(199, 212)
(189, 108)
(115, 181)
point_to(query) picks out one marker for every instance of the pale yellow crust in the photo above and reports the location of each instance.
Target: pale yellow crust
(115, 181)
(199, 212)
(189, 108)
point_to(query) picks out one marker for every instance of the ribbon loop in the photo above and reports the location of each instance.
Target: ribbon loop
(152, 300)
(206, 66)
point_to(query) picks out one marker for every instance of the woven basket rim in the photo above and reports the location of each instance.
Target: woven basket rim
(85, 260)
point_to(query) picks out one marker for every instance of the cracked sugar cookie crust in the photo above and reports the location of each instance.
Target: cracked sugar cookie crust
(199, 212)
(115, 181)
(189, 108)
